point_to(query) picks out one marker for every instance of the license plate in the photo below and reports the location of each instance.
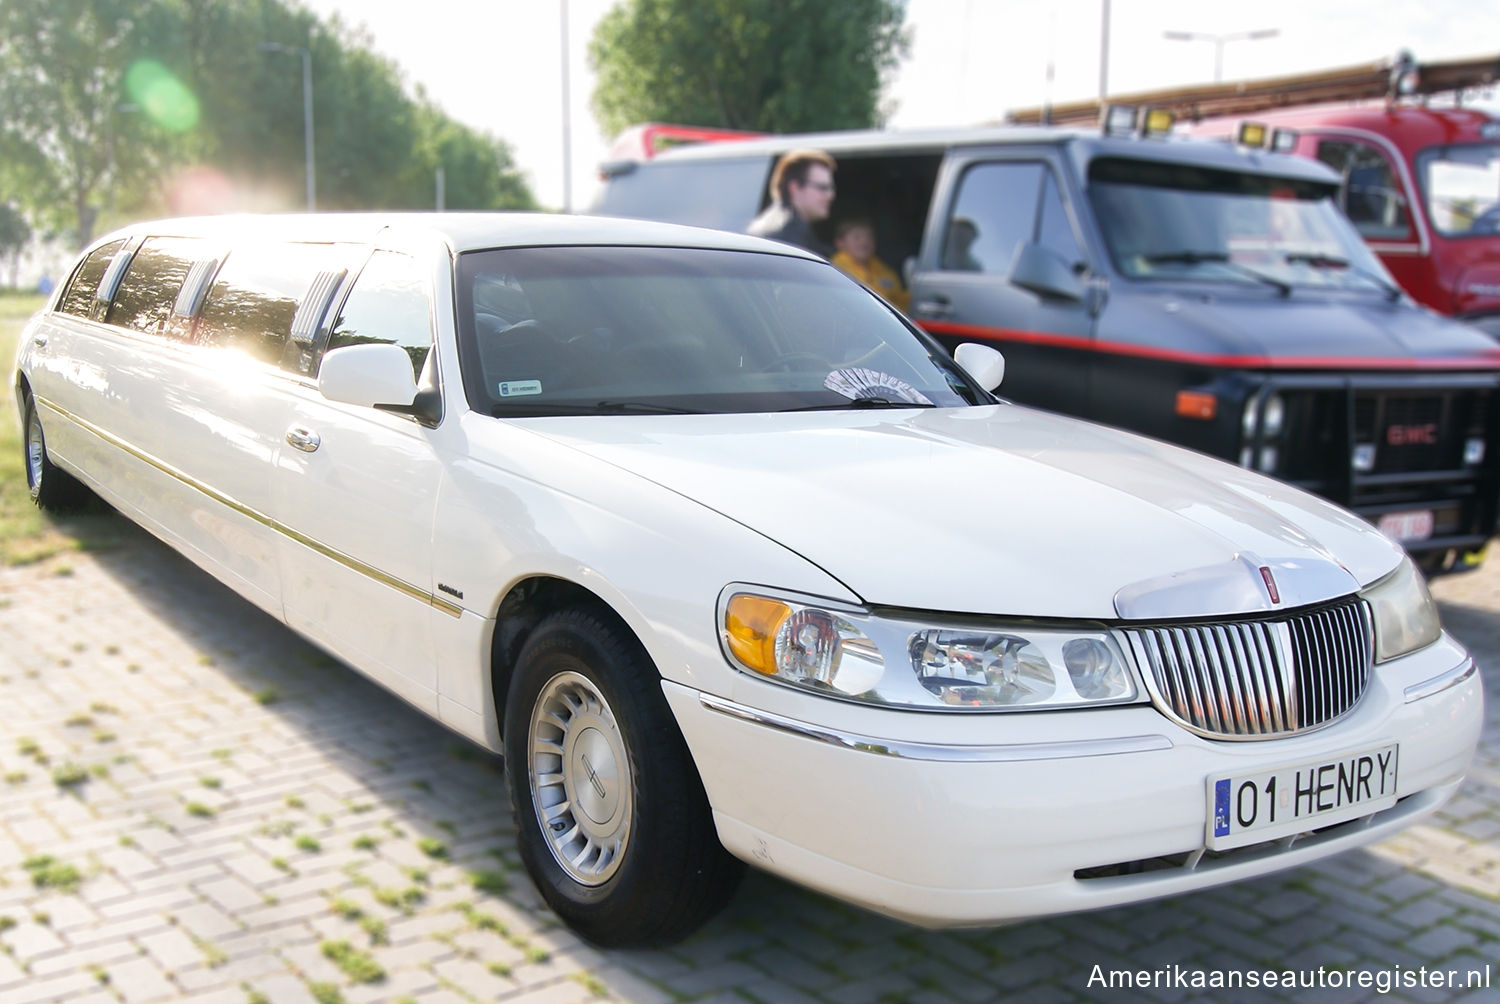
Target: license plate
(1248, 808)
(1403, 526)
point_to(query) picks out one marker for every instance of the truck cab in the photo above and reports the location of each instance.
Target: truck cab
(1188, 290)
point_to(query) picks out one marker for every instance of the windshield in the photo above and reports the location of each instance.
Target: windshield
(1462, 187)
(632, 330)
(1180, 221)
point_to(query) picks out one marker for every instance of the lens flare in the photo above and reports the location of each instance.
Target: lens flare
(162, 98)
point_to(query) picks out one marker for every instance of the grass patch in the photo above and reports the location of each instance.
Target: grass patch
(308, 844)
(199, 810)
(211, 782)
(364, 842)
(69, 775)
(376, 929)
(270, 695)
(49, 873)
(432, 847)
(489, 880)
(325, 993)
(357, 965)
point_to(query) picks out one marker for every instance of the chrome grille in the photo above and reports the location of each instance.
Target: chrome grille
(1254, 679)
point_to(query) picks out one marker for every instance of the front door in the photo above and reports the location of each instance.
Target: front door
(987, 208)
(357, 487)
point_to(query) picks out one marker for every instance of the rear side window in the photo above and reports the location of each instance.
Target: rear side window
(150, 286)
(79, 297)
(253, 299)
(388, 305)
(721, 194)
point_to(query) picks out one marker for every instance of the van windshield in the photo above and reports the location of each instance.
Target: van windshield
(1171, 221)
(1462, 186)
(633, 330)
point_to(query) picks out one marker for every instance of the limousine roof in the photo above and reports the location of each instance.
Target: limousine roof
(460, 231)
(1083, 144)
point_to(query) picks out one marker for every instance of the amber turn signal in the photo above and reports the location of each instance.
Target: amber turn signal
(1197, 404)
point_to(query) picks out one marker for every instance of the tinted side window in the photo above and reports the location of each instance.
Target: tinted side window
(255, 295)
(1371, 195)
(1053, 230)
(79, 297)
(722, 194)
(144, 301)
(996, 209)
(388, 305)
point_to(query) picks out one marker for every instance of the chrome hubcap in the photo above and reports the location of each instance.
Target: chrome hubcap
(580, 779)
(35, 450)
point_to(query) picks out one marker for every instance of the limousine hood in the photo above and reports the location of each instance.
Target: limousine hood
(994, 510)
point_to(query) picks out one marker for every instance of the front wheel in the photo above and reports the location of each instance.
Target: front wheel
(51, 487)
(611, 819)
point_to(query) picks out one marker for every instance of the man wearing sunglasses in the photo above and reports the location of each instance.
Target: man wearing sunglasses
(801, 195)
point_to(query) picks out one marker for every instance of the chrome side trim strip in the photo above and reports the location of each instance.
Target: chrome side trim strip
(348, 561)
(935, 751)
(1427, 688)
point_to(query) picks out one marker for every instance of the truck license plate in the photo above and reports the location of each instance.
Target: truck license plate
(1413, 525)
(1248, 808)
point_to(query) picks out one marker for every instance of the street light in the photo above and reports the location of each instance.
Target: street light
(1219, 40)
(307, 112)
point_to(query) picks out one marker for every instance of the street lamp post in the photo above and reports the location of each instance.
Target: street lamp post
(1219, 40)
(307, 113)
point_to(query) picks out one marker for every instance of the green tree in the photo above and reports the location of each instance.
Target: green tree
(15, 234)
(770, 65)
(66, 123)
(479, 171)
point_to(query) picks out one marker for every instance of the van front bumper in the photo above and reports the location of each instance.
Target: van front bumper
(1110, 807)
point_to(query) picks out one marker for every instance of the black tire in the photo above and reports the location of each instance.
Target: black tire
(52, 488)
(632, 863)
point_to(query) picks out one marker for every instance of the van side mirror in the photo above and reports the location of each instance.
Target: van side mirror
(981, 362)
(372, 376)
(1044, 272)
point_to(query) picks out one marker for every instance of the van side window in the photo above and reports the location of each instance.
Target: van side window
(996, 210)
(1371, 195)
(149, 288)
(388, 305)
(79, 297)
(255, 295)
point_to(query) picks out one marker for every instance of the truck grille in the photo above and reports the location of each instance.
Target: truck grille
(1258, 679)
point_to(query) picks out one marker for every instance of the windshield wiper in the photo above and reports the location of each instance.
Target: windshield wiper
(1317, 260)
(862, 402)
(1218, 258)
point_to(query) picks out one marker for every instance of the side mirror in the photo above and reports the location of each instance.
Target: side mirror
(981, 362)
(1045, 272)
(908, 270)
(373, 376)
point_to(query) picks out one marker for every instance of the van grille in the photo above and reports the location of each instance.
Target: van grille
(1258, 679)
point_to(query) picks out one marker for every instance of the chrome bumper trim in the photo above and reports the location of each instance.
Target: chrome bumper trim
(1455, 676)
(936, 751)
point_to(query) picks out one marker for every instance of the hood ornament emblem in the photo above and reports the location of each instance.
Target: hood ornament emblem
(1270, 580)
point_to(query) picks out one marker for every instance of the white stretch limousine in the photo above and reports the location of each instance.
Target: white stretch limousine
(722, 553)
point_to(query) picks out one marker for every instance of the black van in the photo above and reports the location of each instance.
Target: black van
(1189, 290)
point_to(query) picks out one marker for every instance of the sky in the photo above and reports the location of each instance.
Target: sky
(498, 65)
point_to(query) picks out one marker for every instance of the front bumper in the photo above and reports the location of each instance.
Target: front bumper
(1030, 814)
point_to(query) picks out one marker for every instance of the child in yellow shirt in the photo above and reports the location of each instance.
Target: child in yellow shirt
(855, 240)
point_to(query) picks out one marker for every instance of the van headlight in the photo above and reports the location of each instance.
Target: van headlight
(1406, 617)
(848, 652)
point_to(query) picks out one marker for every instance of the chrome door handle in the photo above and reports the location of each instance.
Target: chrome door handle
(937, 306)
(299, 438)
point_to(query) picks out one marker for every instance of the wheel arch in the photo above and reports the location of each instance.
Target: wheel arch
(522, 608)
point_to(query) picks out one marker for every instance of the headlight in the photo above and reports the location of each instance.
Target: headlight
(848, 652)
(1406, 617)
